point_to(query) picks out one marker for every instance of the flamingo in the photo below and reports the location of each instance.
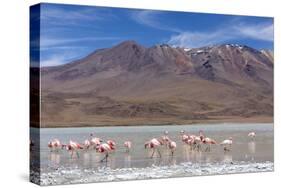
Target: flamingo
(184, 137)
(154, 144)
(112, 144)
(197, 140)
(128, 145)
(194, 141)
(106, 148)
(54, 145)
(209, 142)
(227, 144)
(252, 135)
(87, 144)
(73, 147)
(201, 135)
(165, 138)
(188, 139)
(172, 146)
(95, 142)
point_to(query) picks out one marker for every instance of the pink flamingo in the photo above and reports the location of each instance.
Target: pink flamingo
(95, 142)
(194, 142)
(184, 137)
(165, 138)
(227, 144)
(197, 140)
(201, 135)
(112, 144)
(188, 139)
(73, 147)
(209, 142)
(87, 144)
(252, 135)
(54, 145)
(172, 146)
(154, 144)
(128, 145)
(106, 148)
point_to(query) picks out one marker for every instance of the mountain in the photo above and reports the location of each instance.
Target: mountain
(130, 84)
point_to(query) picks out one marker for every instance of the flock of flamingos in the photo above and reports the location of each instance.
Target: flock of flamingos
(195, 142)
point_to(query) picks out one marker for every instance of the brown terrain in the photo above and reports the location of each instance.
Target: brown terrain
(129, 84)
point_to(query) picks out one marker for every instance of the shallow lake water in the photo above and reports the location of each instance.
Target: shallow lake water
(246, 155)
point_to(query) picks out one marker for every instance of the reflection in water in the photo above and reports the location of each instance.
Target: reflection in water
(127, 160)
(227, 157)
(172, 161)
(252, 150)
(208, 158)
(87, 158)
(252, 147)
(55, 157)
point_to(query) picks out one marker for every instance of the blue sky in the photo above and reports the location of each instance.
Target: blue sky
(71, 32)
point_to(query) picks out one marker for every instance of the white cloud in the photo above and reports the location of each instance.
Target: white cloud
(150, 18)
(59, 58)
(263, 32)
(260, 32)
(235, 30)
(49, 42)
(54, 16)
(197, 39)
(52, 61)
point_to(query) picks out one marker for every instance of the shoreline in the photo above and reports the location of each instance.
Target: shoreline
(186, 169)
(258, 120)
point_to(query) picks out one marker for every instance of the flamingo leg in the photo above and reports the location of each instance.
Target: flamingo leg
(206, 149)
(105, 158)
(198, 147)
(71, 155)
(152, 153)
(77, 154)
(226, 149)
(159, 152)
